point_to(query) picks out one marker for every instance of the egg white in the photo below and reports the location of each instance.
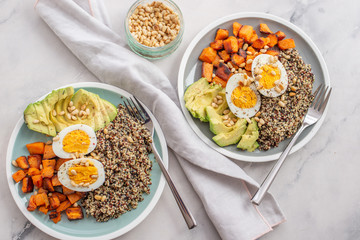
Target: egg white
(58, 145)
(232, 83)
(65, 179)
(264, 59)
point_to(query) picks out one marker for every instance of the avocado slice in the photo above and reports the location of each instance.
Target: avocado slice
(216, 122)
(195, 88)
(248, 141)
(110, 108)
(58, 120)
(30, 115)
(43, 116)
(220, 109)
(232, 137)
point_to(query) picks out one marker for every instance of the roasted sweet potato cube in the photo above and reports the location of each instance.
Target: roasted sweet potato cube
(35, 161)
(43, 209)
(273, 40)
(27, 184)
(223, 72)
(240, 42)
(66, 191)
(217, 44)
(224, 55)
(60, 161)
(216, 61)
(42, 190)
(62, 197)
(208, 55)
(47, 172)
(22, 162)
(266, 40)
(207, 71)
(31, 204)
(74, 213)
(272, 52)
(264, 28)
(74, 197)
(246, 32)
(248, 65)
(54, 202)
(37, 180)
(231, 44)
(242, 53)
(19, 175)
(236, 28)
(55, 216)
(219, 81)
(221, 34)
(41, 199)
(237, 59)
(258, 43)
(55, 181)
(36, 148)
(49, 163)
(251, 49)
(280, 35)
(253, 37)
(47, 185)
(63, 206)
(48, 152)
(33, 171)
(286, 44)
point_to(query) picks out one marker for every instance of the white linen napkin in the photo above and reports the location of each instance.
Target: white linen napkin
(223, 187)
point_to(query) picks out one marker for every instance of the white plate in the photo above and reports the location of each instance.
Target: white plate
(190, 71)
(86, 228)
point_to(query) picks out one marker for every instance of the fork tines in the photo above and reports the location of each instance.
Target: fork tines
(136, 109)
(321, 97)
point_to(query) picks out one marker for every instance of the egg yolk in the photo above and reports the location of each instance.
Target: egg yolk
(76, 141)
(269, 75)
(243, 97)
(83, 174)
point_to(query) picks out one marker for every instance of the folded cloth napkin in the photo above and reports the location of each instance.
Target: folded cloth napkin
(223, 187)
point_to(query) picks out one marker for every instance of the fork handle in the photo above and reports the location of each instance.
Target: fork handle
(189, 219)
(259, 195)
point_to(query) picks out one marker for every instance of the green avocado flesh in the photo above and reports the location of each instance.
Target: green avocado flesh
(54, 113)
(248, 141)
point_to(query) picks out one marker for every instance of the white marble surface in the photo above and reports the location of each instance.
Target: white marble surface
(318, 185)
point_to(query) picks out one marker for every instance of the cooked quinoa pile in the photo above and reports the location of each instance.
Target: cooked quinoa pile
(123, 148)
(283, 121)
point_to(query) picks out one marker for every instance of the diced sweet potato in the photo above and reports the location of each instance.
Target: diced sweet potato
(63, 206)
(286, 44)
(236, 28)
(47, 185)
(208, 55)
(280, 35)
(237, 59)
(74, 197)
(253, 37)
(60, 161)
(221, 34)
(273, 40)
(48, 152)
(66, 191)
(55, 216)
(231, 44)
(246, 32)
(55, 181)
(242, 53)
(41, 198)
(27, 184)
(207, 70)
(31, 204)
(47, 172)
(49, 163)
(264, 28)
(216, 61)
(224, 55)
(54, 202)
(22, 162)
(272, 52)
(37, 180)
(266, 40)
(219, 81)
(36, 148)
(217, 44)
(35, 161)
(33, 171)
(223, 72)
(248, 65)
(74, 213)
(42, 190)
(62, 197)
(19, 175)
(258, 43)
(251, 49)
(43, 209)
(240, 42)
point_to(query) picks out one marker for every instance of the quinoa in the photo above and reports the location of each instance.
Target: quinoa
(123, 148)
(283, 115)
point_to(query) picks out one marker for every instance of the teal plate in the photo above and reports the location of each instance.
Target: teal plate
(86, 228)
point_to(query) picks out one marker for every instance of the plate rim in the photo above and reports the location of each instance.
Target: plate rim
(41, 226)
(180, 84)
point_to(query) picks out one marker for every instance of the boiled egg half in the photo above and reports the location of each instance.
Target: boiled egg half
(243, 99)
(75, 139)
(270, 75)
(82, 175)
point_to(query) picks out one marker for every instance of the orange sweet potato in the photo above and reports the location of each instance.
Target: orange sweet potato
(219, 81)
(48, 152)
(42, 190)
(19, 175)
(216, 61)
(264, 28)
(55, 216)
(43, 209)
(62, 197)
(246, 32)
(74, 197)
(47, 172)
(251, 49)
(59, 162)
(248, 65)
(237, 59)
(35, 161)
(272, 52)
(253, 37)
(242, 53)
(63, 206)
(40, 199)
(33, 171)
(231, 44)
(37, 180)
(223, 72)
(54, 202)
(74, 213)
(240, 42)
(258, 43)
(67, 191)
(36, 148)
(286, 43)
(217, 45)
(27, 184)
(266, 40)
(31, 204)
(47, 184)
(22, 162)
(224, 55)
(280, 35)
(273, 40)
(55, 181)
(236, 28)
(221, 34)
(208, 55)
(207, 70)
(49, 163)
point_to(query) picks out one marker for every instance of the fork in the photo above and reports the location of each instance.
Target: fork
(138, 112)
(314, 113)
